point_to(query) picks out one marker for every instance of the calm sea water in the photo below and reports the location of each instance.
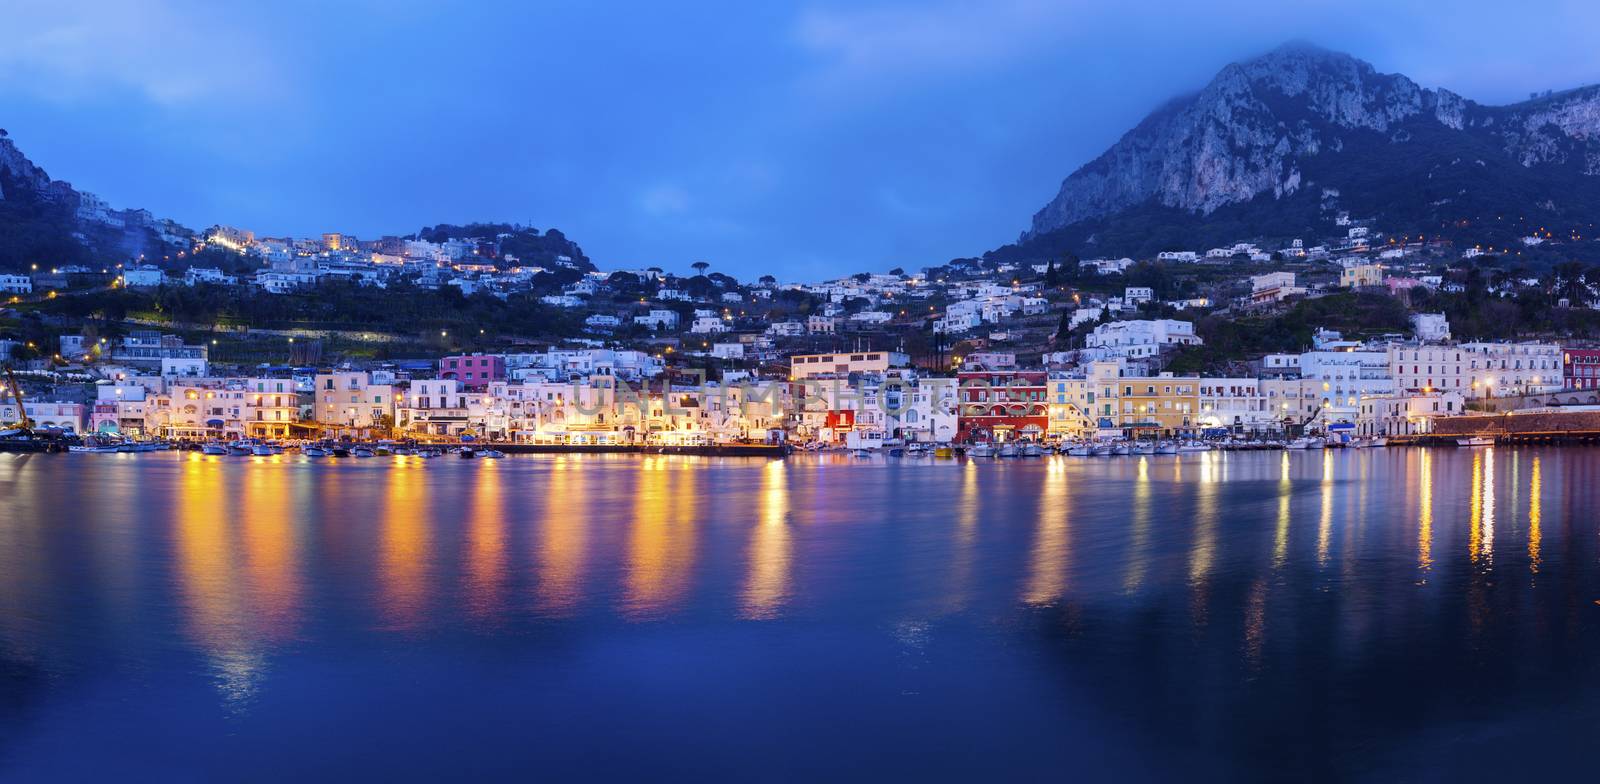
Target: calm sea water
(1375, 614)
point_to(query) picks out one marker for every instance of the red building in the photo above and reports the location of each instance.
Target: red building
(1580, 368)
(473, 371)
(1003, 405)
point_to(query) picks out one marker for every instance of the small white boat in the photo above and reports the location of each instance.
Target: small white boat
(1166, 448)
(313, 451)
(1031, 449)
(1008, 450)
(1121, 448)
(1194, 446)
(980, 450)
(1100, 450)
(492, 454)
(1080, 450)
(1144, 448)
(1298, 443)
(1380, 441)
(213, 448)
(1475, 441)
(362, 451)
(261, 450)
(861, 453)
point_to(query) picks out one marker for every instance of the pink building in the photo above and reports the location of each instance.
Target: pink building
(473, 371)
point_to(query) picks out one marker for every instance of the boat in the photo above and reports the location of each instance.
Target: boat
(492, 454)
(897, 452)
(1380, 441)
(427, 453)
(362, 451)
(1298, 443)
(1194, 446)
(1121, 448)
(1144, 448)
(213, 448)
(313, 451)
(1100, 450)
(980, 450)
(1031, 449)
(466, 453)
(1475, 441)
(1008, 450)
(339, 451)
(261, 450)
(860, 452)
(1167, 448)
(1080, 450)
(944, 451)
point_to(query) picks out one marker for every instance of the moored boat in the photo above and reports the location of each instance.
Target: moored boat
(1475, 441)
(980, 450)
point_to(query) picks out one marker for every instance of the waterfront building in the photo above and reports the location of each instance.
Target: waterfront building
(349, 400)
(1406, 413)
(1478, 370)
(437, 407)
(271, 409)
(45, 414)
(1234, 403)
(474, 371)
(1580, 368)
(1002, 405)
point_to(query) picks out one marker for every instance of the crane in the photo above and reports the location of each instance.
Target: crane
(16, 394)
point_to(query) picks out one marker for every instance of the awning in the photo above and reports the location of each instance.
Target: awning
(215, 423)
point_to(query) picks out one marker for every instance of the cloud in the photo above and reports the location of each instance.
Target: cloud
(165, 50)
(886, 41)
(664, 200)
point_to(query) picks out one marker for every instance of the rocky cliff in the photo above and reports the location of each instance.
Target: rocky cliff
(1304, 132)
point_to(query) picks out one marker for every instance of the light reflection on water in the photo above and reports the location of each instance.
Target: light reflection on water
(1244, 612)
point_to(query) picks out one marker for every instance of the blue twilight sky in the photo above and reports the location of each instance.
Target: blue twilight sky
(800, 138)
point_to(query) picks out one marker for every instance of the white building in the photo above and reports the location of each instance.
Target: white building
(143, 277)
(1141, 338)
(1431, 327)
(658, 319)
(16, 284)
(708, 325)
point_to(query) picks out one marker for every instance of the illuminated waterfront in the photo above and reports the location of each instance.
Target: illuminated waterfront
(1399, 613)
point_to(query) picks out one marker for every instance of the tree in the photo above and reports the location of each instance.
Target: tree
(1050, 274)
(700, 267)
(768, 280)
(1065, 327)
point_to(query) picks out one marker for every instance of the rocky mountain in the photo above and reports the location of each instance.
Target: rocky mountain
(1279, 145)
(48, 222)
